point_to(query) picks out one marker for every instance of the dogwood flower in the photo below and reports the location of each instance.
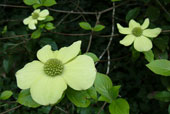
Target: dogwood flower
(32, 20)
(139, 34)
(48, 78)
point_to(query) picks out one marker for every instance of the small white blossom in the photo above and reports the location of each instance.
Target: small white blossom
(32, 20)
(138, 35)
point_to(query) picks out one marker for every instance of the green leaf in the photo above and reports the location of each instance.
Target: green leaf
(104, 99)
(30, 2)
(119, 106)
(79, 98)
(49, 26)
(4, 30)
(92, 93)
(41, 26)
(162, 96)
(85, 25)
(38, 3)
(25, 99)
(161, 67)
(36, 34)
(169, 109)
(149, 56)
(133, 13)
(49, 2)
(49, 18)
(98, 28)
(114, 91)
(103, 84)
(93, 56)
(35, 6)
(6, 95)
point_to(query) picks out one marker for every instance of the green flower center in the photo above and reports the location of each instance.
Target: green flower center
(35, 15)
(137, 31)
(53, 67)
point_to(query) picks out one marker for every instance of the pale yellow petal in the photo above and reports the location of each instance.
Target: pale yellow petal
(145, 24)
(48, 90)
(127, 40)
(45, 53)
(41, 18)
(31, 26)
(27, 20)
(80, 73)
(55, 53)
(65, 54)
(142, 44)
(34, 21)
(123, 30)
(133, 24)
(29, 74)
(37, 11)
(152, 33)
(44, 13)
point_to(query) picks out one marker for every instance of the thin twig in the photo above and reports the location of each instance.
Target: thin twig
(90, 41)
(115, 59)
(61, 110)
(62, 19)
(89, 13)
(14, 6)
(77, 5)
(72, 12)
(8, 102)
(108, 63)
(9, 110)
(108, 52)
(72, 20)
(15, 36)
(112, 34)
(63, 11)
(25, 41)
(106, 36)
(163, 8)
(102, 108)
(81, 9)
(68, 34)
(166, 31)
(7, 20)
(91, 35)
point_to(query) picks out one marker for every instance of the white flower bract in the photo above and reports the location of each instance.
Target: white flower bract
(36, 16)
(139, 35)
(48, 78)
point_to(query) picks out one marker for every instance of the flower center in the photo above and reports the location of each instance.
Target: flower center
(137, 31)
(53, 67)
(35, 15)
